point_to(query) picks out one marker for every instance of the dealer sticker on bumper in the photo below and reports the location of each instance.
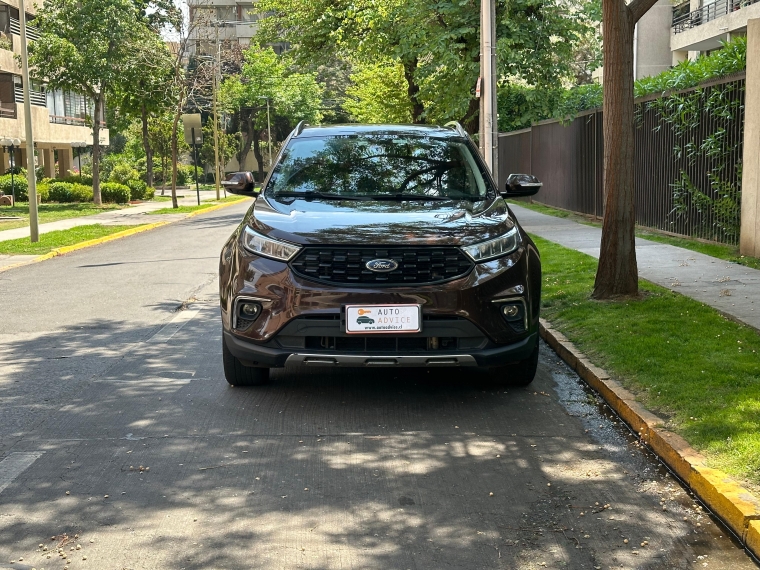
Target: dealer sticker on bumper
(383, 318)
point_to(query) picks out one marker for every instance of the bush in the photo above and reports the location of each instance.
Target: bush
(69, 192)
(123, 173)
(43, 191)
(113, 192)
(137, 189)
(150, 193)
(19, 181)
(85, 179)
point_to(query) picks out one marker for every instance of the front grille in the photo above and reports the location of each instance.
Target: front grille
(416, 265)
(382, 343)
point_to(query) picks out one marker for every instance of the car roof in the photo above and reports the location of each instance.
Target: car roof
(356, 129)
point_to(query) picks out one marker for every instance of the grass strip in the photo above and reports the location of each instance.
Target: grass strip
(204, 205)
(60, 238)
(695, 368)
(52, 212)
(719, 250)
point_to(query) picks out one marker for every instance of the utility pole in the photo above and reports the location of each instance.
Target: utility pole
(34, 231)
(217, 68)
(489, 129)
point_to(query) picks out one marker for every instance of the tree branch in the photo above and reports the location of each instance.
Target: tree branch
(640, 7)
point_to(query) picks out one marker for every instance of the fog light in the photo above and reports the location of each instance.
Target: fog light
(510, 311)
(249, 310)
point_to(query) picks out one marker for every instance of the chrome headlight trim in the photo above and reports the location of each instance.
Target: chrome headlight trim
(264, 246)
(493, 248)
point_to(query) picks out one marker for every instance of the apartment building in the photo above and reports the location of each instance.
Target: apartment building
(215, 22)
(699, 26)
(58, 117)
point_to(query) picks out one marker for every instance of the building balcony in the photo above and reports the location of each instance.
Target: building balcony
(705, 28)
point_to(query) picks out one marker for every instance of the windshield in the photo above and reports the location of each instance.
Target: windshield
(378, 167)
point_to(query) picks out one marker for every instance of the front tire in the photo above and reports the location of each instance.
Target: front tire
(239, 375)
(518, 373)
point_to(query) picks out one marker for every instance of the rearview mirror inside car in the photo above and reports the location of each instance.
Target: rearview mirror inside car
(521, 185)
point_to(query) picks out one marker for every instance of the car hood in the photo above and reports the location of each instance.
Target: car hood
(346, 222)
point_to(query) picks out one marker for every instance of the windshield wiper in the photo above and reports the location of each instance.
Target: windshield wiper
(311, 195)
(422, 197)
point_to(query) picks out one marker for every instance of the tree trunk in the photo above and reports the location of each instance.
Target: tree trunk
(245, 148)
(256, 136)
(175, 159)
(96, 199)
(617, 274)
(471, 121)
(163, 174)
(413, 90)
(146, 146)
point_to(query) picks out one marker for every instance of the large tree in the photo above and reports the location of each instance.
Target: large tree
(82, 47)
(436, 43)
(617, 274)
(266, 77)
(142, 92)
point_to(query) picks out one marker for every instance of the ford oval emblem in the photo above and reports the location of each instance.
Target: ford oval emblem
(381, 265)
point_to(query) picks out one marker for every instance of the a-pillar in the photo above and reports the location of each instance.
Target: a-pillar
(48, 162)
(65, 161)
(749, 242)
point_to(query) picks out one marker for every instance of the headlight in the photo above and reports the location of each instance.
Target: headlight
(496, 247)
(268, 247)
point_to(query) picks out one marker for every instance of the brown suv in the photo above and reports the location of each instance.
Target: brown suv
(378, 245)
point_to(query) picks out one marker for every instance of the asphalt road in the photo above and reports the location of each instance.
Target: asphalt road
(116, 425)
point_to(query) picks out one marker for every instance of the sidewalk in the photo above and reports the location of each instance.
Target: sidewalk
(131, 215)
(728, 287)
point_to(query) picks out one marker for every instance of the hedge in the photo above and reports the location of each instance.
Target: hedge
(114, 192)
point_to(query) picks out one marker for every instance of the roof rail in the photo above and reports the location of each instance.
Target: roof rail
(457, 127)
(299, 128)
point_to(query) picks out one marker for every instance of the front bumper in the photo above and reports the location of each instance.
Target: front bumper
(251, 354)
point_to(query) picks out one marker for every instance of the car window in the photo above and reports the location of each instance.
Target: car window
(377, 165)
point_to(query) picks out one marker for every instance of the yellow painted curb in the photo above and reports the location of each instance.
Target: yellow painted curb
(212, 208)
(118, 235)
(736, 506)
(753, 536)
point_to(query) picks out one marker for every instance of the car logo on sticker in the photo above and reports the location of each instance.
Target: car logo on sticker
(381, 265)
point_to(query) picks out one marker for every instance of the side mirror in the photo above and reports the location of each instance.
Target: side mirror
(521, 185)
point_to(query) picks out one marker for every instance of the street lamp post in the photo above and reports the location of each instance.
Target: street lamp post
(11, 145)
(269, 133)
(196, 142)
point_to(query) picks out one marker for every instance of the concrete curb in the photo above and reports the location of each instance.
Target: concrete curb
(734, 505)
(118, 235)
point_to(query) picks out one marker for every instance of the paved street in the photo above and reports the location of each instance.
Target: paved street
(116, 425)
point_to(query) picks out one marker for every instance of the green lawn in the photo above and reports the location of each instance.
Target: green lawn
(682, 359)
(721, 251)
(51, 213)
(51, 240)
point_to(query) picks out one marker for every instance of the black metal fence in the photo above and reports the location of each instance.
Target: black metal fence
(688, 161)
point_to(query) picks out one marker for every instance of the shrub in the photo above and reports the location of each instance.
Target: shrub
(20, 183)
(114, 192)
(85, 179)
(69, 192)
(150, 193)
(123, 173)
(43, 191)
(137, 189)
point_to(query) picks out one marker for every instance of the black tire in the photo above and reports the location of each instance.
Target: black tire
(239, 375)
(518, 373)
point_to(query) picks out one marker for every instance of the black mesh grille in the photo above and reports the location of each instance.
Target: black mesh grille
(416, 265)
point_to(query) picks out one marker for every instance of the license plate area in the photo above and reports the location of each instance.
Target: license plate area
(383, 319)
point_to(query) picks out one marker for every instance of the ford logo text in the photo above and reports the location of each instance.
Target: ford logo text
(381, 265)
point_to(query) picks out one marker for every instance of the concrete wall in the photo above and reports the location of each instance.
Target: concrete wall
(653, 40)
